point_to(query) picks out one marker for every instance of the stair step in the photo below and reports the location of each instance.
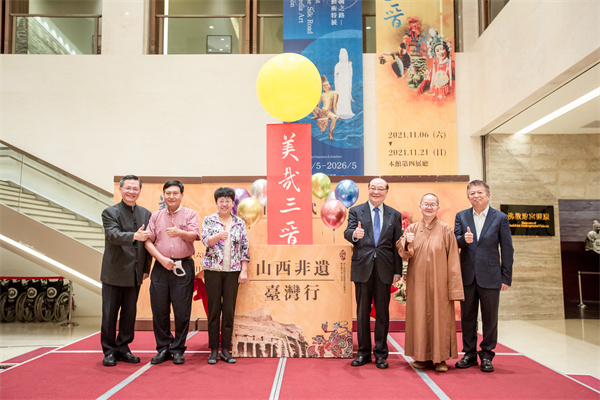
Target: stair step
(16, 195)
(51, 221)
(72, 230)
(93, 243)
(83, 236)
(4, 197)
(53, 214)
(24, 207)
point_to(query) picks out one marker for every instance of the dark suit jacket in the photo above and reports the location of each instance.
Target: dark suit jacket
(124, 261)
(489, 259)
(389, 262)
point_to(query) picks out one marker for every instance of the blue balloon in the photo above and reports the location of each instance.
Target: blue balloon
(346, 191)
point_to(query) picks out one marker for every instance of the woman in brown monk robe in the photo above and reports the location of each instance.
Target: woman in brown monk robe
(433, 283)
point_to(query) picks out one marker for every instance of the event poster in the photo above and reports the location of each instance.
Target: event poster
(329, 33)
(416, 105)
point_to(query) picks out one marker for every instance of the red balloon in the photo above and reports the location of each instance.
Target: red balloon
(333, 213)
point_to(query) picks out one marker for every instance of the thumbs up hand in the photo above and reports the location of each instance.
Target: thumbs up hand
(223, 235)
(173, 231)
(141, 235)
(409, 235)
(469, 236)
(359, 232)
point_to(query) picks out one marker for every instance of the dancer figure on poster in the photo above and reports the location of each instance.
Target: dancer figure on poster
(402, 60)
(328, 110)
(433, 283)
(343, 85)
(440, 79)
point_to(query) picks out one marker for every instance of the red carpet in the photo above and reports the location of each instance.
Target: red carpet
(76, 372)
(592, 382)
(29, 355)
(337, 379)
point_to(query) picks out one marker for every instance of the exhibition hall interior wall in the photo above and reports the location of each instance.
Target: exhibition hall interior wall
(123, 112)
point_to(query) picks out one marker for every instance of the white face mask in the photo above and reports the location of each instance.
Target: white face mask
(178, 269)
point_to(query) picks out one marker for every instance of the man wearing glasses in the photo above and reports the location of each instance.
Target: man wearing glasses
(486, 258)
(125, 264)
(373, 229)
(171, 235)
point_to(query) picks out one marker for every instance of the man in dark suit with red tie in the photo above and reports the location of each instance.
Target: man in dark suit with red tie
(486, 259)
(373, 229)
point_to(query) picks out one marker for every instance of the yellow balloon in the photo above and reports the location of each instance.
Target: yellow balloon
(250, 210)
(321, 184)
(289, 86)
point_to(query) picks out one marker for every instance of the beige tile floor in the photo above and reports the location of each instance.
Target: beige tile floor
(569, 346)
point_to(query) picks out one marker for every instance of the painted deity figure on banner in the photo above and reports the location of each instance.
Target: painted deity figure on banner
(328, 109)
(343, 85)
(440, 77)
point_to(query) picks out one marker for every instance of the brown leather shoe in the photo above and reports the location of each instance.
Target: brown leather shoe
(441, 367)
(421, 364)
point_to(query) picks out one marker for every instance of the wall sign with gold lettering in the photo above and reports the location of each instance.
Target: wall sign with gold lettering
(529, 220)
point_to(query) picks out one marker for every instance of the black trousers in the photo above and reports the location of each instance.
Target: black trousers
(221, 293)
(168, 289)
(115, 298)
(373, 288)
(489, 299)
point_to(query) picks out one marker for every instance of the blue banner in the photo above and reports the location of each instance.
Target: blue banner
(329, 33)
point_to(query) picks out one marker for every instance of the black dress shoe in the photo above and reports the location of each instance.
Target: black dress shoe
(161, 357)
(109, 361)
(361, 360)
(486, 365)
(227, 357)
(178, 358)
(128, 358)
(214, 356)
(381, 363)
(466, 362)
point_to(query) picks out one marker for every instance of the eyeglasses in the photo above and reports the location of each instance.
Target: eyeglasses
(377, 188)
(224, 201)
(131, 189)
(429, 205)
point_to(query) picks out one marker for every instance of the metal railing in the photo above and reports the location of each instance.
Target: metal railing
(51, 32)
(54, 184)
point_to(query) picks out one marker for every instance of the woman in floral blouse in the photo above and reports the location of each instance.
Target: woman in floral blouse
(225, 266)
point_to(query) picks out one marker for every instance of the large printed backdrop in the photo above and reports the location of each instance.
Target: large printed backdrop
(403, 196)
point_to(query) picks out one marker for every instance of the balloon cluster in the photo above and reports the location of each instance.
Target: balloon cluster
(249, 206)
(333, 211)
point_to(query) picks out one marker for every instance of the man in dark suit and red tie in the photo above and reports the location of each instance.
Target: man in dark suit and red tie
(373, 229)
(486, 258)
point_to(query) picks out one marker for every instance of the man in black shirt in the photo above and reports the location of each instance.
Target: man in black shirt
(125, 264)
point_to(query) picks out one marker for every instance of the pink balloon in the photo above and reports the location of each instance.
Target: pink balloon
(333, 213)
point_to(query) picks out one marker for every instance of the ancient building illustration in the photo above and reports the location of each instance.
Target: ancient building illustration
(256, 335)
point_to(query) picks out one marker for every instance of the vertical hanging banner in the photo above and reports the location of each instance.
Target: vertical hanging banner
(329, 33)
(416, 112)
(289, 184)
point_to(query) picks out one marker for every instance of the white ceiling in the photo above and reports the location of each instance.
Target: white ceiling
(572, 122)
